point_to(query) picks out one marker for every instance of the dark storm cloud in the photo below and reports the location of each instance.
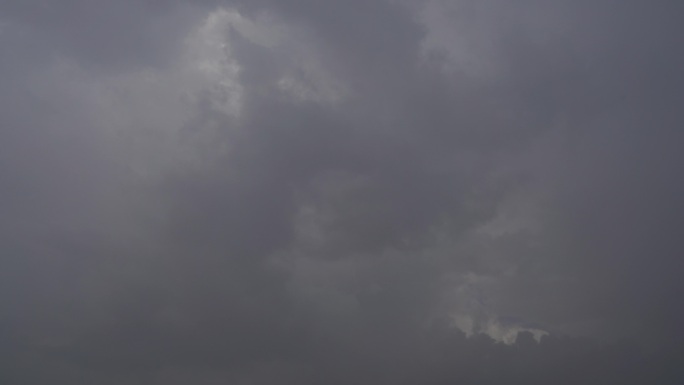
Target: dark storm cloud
(102, 34)
(611, 209)
(323, 192)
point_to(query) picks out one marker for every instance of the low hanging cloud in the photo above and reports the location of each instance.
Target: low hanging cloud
(368, 192)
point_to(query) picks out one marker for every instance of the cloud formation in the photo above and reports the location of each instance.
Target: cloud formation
(369, 192)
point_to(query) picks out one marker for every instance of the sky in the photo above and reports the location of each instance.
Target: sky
(280, 192)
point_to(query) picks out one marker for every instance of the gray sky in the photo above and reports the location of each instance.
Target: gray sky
(341, 192)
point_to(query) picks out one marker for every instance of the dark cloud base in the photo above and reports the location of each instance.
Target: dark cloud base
(437, 356)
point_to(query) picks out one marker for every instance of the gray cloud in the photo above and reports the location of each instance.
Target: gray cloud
(351, 192)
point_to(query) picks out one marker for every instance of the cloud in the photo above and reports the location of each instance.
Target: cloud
(378, 192)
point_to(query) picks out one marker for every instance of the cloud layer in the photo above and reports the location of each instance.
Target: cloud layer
(367, 192)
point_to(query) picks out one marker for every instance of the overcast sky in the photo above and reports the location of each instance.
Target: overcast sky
(302, 192)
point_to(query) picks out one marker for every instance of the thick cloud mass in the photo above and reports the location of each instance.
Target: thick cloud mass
(341, 192)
